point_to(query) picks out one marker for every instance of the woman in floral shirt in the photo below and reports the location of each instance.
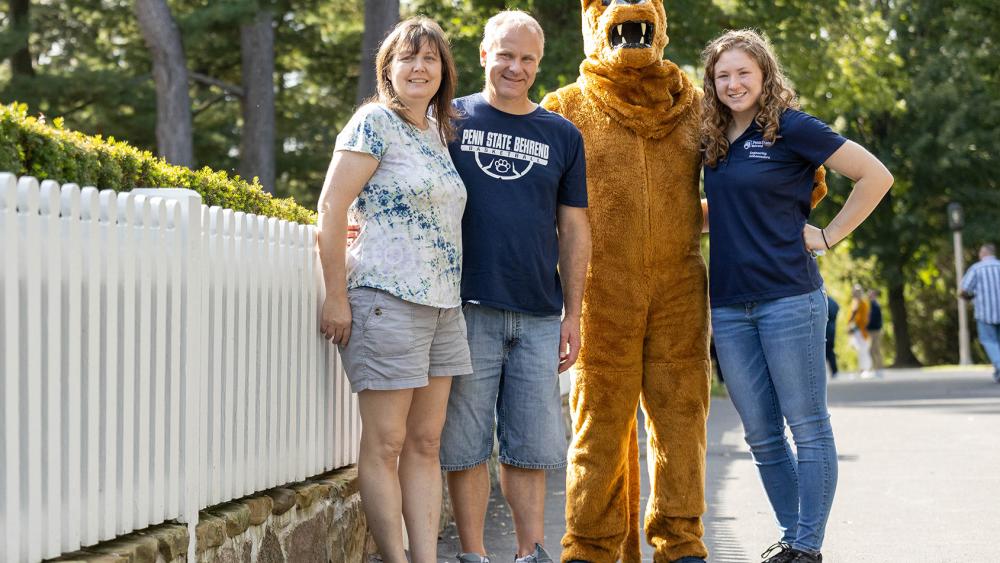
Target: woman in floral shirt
(392, 300)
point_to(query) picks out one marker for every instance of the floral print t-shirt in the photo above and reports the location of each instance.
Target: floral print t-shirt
(409, 212)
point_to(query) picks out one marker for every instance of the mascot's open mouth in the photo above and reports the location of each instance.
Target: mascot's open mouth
(632, 35)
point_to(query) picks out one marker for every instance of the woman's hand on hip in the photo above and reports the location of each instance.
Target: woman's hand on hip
(813, 239)
(335, 322)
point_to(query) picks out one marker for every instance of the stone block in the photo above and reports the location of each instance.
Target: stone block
(348, 537)
(260, 508)
(132, 548)
(172, 540)
(306, 543)
(284, 500)
(270, 549)
(236, 516)
(211, 532)
(307, 494)
(343, 482)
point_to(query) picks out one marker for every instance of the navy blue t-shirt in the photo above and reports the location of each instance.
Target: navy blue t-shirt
(517, 170)
(758, 204)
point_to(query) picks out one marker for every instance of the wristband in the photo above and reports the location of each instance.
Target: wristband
(823, 232)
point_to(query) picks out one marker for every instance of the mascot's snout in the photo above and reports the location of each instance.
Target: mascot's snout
(630, 33)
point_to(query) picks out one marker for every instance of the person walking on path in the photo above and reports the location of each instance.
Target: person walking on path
(981, 284)
(831, 334)
(875, 332)
(769, 308)
(392, 303)
(525, 173)
(857, 327)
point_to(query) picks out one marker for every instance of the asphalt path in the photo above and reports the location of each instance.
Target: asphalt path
(919, 477)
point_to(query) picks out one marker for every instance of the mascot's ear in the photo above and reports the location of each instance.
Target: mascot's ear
(590, 12)
(819, 186)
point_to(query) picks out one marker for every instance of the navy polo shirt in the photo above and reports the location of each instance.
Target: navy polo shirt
(758, 203)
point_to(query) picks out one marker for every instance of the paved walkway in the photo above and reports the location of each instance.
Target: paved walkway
(919, 477)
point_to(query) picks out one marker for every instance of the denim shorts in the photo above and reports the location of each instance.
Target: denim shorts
(396, 344)
(513, 392)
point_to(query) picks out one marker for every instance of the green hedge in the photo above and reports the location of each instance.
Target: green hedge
(30, 147)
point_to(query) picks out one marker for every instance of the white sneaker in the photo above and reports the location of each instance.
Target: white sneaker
(472, 558)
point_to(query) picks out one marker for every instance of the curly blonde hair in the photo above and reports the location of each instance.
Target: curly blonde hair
(777, 95)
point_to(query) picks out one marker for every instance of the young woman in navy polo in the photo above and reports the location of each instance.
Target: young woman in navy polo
(769, 310)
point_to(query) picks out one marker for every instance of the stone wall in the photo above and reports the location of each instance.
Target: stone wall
(317, 521)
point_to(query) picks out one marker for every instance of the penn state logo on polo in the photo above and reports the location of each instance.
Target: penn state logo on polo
(503, 156)
(756, 148)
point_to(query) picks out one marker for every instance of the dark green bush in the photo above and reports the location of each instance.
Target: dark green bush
(30, 147)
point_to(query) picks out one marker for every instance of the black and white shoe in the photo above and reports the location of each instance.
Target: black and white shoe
(803, 557)
(780, 552)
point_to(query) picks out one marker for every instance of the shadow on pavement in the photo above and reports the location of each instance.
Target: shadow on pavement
(720, 536)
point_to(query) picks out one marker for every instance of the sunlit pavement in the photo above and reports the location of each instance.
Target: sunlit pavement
(919, 477)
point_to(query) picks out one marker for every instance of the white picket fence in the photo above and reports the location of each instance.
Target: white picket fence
(158, 357)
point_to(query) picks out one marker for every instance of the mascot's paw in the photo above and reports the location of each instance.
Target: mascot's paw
(819, 186)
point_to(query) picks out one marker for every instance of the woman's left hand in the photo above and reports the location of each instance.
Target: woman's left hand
(813, 239)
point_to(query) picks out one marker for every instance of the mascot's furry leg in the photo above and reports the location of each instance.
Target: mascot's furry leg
(601, 515)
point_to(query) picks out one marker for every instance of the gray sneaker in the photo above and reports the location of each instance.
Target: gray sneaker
(539, 556)
(472, 558)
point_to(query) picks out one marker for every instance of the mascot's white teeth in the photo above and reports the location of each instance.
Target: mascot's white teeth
(632, 35)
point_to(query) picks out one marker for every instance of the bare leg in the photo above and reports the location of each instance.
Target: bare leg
(383, 432)
(420, 468)
(470, 497)
(524, 490)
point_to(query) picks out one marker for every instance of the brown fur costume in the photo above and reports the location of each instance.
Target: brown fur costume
(645, 312)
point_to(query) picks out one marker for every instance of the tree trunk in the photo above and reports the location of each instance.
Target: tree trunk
(20, 61)
(257, 156)
(174, 136)
(380, 17)
(901, 327)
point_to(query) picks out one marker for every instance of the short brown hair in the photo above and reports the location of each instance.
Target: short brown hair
(510, 18)
(407, 37)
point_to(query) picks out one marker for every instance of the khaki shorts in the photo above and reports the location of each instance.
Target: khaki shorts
(396, 344)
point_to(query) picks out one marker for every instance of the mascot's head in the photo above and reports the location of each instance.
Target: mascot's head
(624, 33)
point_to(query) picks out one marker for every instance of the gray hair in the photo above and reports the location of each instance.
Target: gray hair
(990, 248)
(510, 18)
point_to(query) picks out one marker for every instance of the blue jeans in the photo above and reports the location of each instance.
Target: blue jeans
(772, 353)
(989, 337)
(514, 384)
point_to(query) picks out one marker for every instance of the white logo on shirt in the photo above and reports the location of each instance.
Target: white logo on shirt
(503, 156)
(757, 144)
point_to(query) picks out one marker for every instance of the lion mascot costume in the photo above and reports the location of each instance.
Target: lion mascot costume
(645, 309)
(645, 312)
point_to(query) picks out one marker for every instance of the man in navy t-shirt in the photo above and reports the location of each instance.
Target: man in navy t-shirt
(526, 245)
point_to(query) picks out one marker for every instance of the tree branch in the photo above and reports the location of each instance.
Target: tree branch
(220, 84)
